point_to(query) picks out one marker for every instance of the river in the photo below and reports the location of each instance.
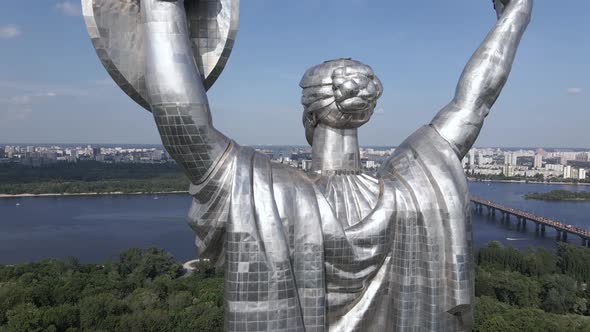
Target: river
(96, 228)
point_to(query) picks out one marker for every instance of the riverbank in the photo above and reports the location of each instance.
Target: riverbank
(29, 195)
(93, 194)
(530, 182)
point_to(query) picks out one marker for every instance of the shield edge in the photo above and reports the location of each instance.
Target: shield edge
(132, 91)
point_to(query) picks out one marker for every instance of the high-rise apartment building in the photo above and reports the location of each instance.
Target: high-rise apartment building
(508, 158)
(567, 172)
(538, 161)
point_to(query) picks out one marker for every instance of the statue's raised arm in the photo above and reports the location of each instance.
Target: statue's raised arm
(165, 54)
(176, 92)
(484, 77)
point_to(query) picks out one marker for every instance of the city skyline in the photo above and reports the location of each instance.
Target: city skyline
(303, 145)
(483, 161)
(61, 94)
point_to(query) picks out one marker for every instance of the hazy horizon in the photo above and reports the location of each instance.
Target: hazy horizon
(274, 145)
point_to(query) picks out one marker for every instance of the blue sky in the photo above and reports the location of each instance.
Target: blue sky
(54, 90)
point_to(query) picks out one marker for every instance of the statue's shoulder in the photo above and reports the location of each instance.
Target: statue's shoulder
(425, 168)
(425, 149)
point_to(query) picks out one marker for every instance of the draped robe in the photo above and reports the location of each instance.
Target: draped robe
(340, 252)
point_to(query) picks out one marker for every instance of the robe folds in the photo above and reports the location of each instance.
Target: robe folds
(294, 262)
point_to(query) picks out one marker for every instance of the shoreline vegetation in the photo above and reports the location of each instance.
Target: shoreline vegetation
(90, 178)
(560, 195)
(553, 183)
(180, 188)
(115, 193)
(148, 290)
(96, 188)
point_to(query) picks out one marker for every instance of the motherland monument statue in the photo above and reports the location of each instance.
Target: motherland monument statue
(333, 249)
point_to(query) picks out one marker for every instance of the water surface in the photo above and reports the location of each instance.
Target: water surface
(95, 228)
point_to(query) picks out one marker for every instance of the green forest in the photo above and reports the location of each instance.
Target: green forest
(91, 177)
(145, 290)
(532, 290)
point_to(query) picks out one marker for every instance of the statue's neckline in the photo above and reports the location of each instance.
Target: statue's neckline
(352, 197)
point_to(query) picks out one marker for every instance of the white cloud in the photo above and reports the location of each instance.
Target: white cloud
(69, 8)
(28, 98)
(105, 81)
(9, 31)
(20, 107)
(574, 91)
(9, 114)
(20, 100)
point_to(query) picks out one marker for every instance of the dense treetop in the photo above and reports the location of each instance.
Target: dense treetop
(145, 290)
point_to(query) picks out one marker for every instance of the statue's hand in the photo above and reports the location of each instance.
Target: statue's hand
(501, 5)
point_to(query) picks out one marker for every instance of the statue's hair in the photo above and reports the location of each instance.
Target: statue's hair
(349, 88)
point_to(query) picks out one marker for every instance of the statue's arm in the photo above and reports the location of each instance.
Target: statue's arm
(176, 93)
(484, 77)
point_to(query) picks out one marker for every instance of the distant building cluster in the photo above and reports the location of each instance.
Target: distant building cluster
(535, 164)
(538, 164)
(44, 155)
(297, 157)
(39, 155)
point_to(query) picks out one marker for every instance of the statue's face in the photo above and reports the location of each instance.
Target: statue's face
(340, 94)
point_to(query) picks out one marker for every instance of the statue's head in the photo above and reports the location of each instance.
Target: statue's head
(338, 93)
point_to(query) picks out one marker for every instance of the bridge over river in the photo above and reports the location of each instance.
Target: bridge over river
(541, 223)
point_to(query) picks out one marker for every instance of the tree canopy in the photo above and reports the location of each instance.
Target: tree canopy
(146, 290)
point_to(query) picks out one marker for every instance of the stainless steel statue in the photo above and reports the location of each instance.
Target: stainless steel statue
(334, 249)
